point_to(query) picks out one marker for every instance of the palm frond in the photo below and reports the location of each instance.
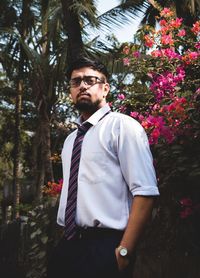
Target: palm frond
(87, 11)
(123, 13)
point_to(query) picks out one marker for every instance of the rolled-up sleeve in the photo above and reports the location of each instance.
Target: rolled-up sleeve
(136, 159)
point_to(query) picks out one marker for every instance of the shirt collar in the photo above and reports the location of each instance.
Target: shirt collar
(96, 116)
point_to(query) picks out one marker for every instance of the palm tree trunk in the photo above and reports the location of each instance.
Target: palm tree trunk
(18, 107)
(72, 25)
(16, 167)
(42, 146)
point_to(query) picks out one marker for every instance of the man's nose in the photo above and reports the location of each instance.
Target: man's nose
(83, 84)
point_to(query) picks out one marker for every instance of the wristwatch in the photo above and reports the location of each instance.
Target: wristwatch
(123, 251)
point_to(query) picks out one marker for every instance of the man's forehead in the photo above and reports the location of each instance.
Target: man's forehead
(85, 71)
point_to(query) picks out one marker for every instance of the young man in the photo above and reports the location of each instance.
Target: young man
(111, 198)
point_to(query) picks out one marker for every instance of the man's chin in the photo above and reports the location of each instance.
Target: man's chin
(87, 106)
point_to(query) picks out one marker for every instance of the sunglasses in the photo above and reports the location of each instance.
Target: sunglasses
(88, 80)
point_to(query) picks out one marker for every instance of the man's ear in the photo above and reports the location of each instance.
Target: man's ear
(106, 89)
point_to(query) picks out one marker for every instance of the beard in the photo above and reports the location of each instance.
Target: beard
(87, 106)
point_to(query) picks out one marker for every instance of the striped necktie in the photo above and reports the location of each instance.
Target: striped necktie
(70, 212)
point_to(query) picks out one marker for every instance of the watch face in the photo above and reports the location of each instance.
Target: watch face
(123, 252)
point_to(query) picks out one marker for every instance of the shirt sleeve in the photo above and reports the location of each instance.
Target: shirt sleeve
(136, 159)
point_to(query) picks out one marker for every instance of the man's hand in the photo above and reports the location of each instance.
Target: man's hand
(123, 262)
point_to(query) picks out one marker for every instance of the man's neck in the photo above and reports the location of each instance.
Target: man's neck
(85, 116)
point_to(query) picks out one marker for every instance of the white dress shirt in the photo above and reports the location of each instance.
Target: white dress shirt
(115, 165)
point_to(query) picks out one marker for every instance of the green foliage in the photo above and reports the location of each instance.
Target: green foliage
(41, 234)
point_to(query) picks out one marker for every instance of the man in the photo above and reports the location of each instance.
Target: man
(116, 184)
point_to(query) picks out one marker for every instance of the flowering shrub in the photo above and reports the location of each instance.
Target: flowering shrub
(161, 89)
(188, 208)
(164, 87)
(53, 189)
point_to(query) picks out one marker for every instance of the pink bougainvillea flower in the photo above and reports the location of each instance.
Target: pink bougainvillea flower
(190, 56)
(121, 96)
(156, 53)
(197, 45)
(149, 41)
(155, 134)
(126, 49)
(53, 189)
(122, 109)
(176, 23)
(163, 22)
(134, 114)
(167, 40)
(181, 33)
(126, 61)
(186, 212)
(170, 53)
(136, 54)
(166, 12)
(186, 202)
(164, 30)
(196, 27)
(193, 55)
(165, 83)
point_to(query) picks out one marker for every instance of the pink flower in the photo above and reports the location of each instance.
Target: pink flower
(122, 109)
(190, 56)
(181, 33)
(193, 55)
(196, 27)
(170, 53)
(140, 117)
(155, 135)
(186, 202)
(166, 12)
(134, 114)
(197, 45)
(60, 181)
(136, 54)
(126, 61)
(126, 50)
(162, 22)
(186, 212)
(149, 41)
(176, 23)
(156, 53)
(121, 96)
(167, 39)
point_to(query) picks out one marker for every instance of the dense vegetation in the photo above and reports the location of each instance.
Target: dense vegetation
(155, 79)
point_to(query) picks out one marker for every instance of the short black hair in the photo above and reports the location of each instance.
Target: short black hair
(87, 62)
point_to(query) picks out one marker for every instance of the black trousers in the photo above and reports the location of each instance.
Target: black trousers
(90, 255)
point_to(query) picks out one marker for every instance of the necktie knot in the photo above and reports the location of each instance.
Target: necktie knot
(82, 129)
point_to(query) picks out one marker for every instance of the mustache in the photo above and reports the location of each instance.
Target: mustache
(83, 92)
